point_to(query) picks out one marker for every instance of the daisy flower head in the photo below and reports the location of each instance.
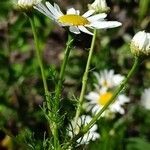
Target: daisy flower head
(108, 79)
(27, 4)
(98, 99)
(91, 135)
(145, 99)
(140, 44)
(77, 23)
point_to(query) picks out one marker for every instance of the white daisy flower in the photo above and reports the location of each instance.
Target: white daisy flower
(108, 79)
(96, 101)
(27, 4)
(91, 135)
(140, 44)
(74, 20)
(145, 99)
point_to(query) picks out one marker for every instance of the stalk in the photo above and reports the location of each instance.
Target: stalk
(58, 88)
(85, 78)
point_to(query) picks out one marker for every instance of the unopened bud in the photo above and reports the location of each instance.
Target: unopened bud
(140, 44)
(99, 6)
(27, 5)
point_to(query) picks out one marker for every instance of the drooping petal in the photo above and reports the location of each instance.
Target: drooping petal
(105, 24)
(74, 29)
(83, 29)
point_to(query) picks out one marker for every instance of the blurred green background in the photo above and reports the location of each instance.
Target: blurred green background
(21, 88)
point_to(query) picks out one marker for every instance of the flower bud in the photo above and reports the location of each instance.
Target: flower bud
(26, 5)
(140, 44)
(99, 6)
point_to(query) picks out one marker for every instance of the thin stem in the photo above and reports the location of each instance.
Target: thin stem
(115, 94)
(37, 48)
(143, 8)
(63, 67)
(38, 54)
(58, 88)
(85, 78)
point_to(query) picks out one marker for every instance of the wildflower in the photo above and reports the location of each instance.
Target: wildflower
(145, 99)
(108, 79)
(90, 135)
(27, 4)
(99, 6)
(97, 99)
(140, 44)
(74, 20)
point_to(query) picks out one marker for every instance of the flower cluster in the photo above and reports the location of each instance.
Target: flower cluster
(107, 81)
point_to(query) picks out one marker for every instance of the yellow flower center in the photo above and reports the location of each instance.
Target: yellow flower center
(104, 98)
(73, 20)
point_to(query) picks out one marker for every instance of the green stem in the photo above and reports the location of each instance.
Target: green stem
(58, 88)
(63, 67)
(37, 48)
(143, 8)
(85, 78)
(115, 94)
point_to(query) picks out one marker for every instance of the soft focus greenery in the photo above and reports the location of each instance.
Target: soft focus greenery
(21, 87)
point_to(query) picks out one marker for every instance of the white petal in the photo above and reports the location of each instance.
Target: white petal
(105, 24)
(74, 30)
(95, 136)
(122, 99)
(87, 106)
(88, 13)
(41, 8)
(58, 8)
(73, 11)
(103, 90)
(117, 79)
(97, 17)
(85, 119)
(145, 99)
(96, 109)
(53, 10)
(94, 128)
(92, 96)
(83, 29)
